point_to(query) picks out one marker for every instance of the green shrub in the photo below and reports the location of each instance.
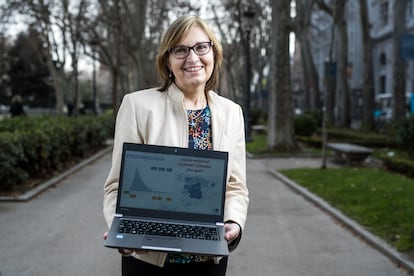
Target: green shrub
(405, 135)
(258, 117)
(305, 124)
(315, 142)
(318, 115)
(400, 165)
(369, 139)
(37, 146)
(11, 159)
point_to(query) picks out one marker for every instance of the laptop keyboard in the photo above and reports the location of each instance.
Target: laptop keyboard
(168, 229)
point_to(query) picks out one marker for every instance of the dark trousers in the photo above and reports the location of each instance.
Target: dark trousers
(132, 266)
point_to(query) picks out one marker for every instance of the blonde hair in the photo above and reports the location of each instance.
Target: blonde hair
(174, 34)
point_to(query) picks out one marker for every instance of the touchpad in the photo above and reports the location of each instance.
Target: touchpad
(162, 243)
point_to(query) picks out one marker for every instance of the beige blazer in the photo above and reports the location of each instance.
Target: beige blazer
(153, 117)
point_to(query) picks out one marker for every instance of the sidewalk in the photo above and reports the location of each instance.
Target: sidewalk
(287, 235)
(59, 232)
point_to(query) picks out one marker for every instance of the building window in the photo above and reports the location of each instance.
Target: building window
(383, 59)
(384, 13)
(382, 84)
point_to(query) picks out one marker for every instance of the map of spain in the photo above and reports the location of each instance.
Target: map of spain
(186, 191)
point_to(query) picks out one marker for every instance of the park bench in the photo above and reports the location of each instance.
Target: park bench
(349, 153)
(259, 129)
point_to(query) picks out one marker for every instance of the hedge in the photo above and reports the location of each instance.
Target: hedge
(405, 134)
(305, 125)
(399, 165)
(33, 147)
(368, 139)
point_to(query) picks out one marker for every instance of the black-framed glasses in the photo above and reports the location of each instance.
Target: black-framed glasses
(200, 49)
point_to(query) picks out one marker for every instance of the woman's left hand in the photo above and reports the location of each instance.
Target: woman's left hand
(232, 231)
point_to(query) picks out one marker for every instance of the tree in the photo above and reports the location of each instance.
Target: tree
(231, 23)
(73, 17)
(302, 24)
(4, 69)
(399, 66)
(342, 54)
(337, 12)
(28, 71)
(125, 35)
(260, 48)
(323, 40)
(280, 123)
(368, 86)
(230, 33)
(330, 82)
(48, 17)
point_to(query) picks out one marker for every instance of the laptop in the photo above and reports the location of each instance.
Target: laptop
(170, 199)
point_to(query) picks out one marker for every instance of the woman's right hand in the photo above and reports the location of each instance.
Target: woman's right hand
(124, 251)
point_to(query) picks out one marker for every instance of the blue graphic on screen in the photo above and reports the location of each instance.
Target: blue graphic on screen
(172, 182)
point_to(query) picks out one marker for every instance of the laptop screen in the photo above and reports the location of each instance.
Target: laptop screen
(168, 179)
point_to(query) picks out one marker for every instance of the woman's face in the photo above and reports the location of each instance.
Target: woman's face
(192, 73)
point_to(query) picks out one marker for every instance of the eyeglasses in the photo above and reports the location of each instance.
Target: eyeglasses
(200, 49)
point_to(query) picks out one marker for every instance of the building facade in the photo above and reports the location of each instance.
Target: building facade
(381, 18)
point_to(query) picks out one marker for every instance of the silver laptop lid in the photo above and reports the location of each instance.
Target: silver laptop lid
(172, 183)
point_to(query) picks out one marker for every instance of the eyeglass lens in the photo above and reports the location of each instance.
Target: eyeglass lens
(183, 51)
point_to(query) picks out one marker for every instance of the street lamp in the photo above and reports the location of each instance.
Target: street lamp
(248, 17)
(94, 45)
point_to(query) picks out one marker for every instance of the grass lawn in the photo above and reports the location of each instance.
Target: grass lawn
(259, 144)
(381, 201)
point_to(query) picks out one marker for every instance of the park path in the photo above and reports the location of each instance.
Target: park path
(59, 232)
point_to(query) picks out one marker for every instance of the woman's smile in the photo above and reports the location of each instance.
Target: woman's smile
(193, 68)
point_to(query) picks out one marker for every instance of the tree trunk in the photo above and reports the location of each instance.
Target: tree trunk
(281, 128)
(302, 25)
(117, 68)
(311, 75)
(368, 73)
(399, 66)
(306, 78)
(330, 83)
(76, 92)
(342, 55)
(134, 27)
(59, 83)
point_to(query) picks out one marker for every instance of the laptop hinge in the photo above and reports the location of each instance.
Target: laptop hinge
(118, 215)
(219, 223)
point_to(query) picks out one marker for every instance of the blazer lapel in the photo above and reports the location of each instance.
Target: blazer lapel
(218, 121)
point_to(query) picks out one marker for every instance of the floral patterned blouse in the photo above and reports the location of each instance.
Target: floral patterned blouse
(199, 123)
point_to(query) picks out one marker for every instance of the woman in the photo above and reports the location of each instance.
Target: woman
(184, 112)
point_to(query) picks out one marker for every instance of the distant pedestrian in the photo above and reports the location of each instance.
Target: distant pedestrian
(16, 107)
(71, 108)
